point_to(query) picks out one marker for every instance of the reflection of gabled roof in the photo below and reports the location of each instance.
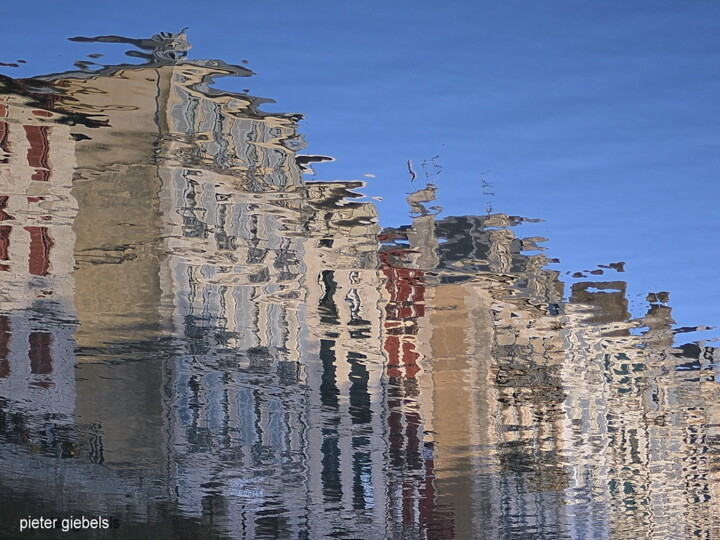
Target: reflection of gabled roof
(200, 75)
(218, 67)
(43, 95)
(166, 51)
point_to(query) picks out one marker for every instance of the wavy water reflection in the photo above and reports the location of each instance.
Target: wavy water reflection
(199, 342)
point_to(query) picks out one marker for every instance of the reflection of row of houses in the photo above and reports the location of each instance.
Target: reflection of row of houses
(574, 420)
(649, 410)
(282, 364)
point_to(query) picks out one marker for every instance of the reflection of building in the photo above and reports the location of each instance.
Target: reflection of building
(493, 375)
(571, 422)
(346, 409)
(37, 381)
(263, 299)
(409, 253)
(641, 422)
(232, 208)
(57, 269)
(273, 294)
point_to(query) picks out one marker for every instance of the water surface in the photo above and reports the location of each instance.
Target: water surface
(201, 338)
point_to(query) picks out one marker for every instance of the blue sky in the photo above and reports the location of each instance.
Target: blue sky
(602, 119)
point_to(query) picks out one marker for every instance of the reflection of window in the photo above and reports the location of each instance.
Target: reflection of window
(40, 246)
(5, 231)
(330, 474)
(40, 357)
(362, 481)
(37, 154)
(360, 411)
(4, 216)
(4, 346)
(4, 135)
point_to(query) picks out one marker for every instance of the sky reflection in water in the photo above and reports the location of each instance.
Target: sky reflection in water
(196, 336)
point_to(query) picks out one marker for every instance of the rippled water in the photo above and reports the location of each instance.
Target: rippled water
(197, 341)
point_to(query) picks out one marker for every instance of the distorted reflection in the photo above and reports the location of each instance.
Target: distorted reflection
(197, 340)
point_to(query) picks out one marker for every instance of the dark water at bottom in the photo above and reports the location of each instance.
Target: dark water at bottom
(197, 342)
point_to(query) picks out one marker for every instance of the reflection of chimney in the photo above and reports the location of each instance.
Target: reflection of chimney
(417, 199)
(659, 321)
(608, 300)
(423, 243)
(421, 236)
